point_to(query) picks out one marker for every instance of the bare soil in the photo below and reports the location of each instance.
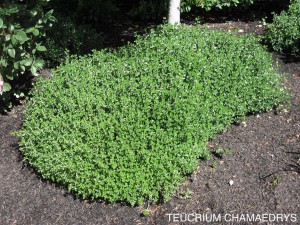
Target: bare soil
(263, 166)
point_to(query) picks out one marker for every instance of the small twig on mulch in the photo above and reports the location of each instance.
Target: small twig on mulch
(293, 167)
(281, 170)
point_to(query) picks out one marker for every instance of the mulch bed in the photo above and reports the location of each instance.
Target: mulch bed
(263, 167)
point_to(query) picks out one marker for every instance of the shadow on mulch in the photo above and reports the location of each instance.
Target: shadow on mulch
(288, 58)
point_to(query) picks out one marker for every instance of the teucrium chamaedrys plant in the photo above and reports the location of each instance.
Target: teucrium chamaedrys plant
(128, 125)
(22, 24)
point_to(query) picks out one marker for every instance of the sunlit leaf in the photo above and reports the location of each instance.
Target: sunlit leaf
(6, 87)
(12, 53)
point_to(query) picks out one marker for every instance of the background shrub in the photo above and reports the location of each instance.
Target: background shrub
(208, 4)
(150, 9)
(85, 11)
(66, 37)
(22, 25)
(128, 125)
(284, 32)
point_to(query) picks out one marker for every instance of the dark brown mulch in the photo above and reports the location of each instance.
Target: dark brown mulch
(265, 149)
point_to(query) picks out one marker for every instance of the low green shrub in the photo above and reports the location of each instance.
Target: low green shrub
(128, 125)
(284, 32)
(66, 38)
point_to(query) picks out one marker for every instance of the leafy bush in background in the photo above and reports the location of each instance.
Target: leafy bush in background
(284, 32)
(128, 125)
(84, 11)
(156, 8)
(208, 4)
(66, 37)
(22, 24)
(150, 9)
(97, 9)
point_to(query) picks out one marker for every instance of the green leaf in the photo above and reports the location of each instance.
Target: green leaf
(13, 40)
(6, 87)
(41, 48)
(49, 13)
(23, 69)
(12, 53)
(39, 63)
(35, 32)
(7, 37)
(33, 70)
(11, 28)
(1, 23)
(27, 62)
(16, 65)
(30, 30)
(10, 77)
(33, 13)
(3, 62)
(13, 9)
(21, 36)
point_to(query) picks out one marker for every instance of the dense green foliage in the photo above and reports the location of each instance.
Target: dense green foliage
(128, 125)
(66, 37)
(21, 27)
(208, 4)
(284, 32)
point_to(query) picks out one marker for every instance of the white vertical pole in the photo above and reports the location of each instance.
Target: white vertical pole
(174, 12)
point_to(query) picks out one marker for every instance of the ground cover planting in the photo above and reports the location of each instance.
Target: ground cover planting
(128, 125)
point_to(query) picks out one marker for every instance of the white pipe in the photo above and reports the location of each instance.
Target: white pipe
(174, 12)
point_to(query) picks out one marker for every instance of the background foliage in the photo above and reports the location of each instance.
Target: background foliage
(86, 10)
(158, 8)
(208, 4)
(128, 125)
(22, 25)
(284, 32)
(67, 37)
